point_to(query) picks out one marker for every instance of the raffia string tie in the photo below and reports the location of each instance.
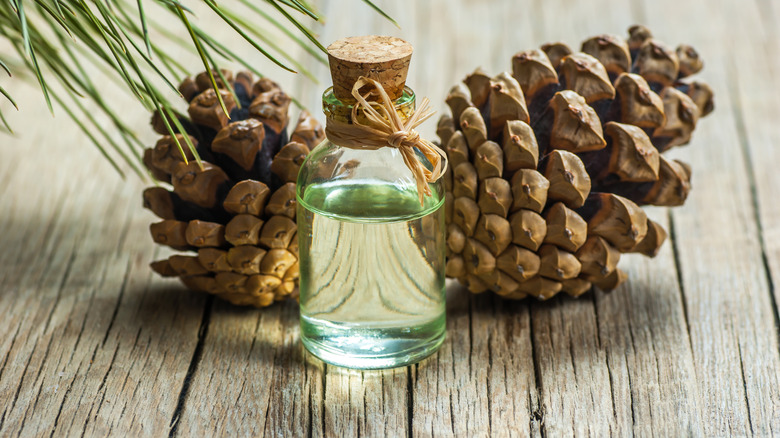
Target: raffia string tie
(383, 127)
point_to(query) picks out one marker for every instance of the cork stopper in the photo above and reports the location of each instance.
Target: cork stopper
(382, 58)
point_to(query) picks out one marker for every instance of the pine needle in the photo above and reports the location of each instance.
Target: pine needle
(56, 17)
(41, 81)
(313, 52)
(117, 56)
(145, 28)
(8, 96)
(5, 123)
(254, 30)
(225, 82)
(59, 8)
(5, 67)
(300, 27)
(300, 7)
(149, 61)
(185, 135)
(106, 135)
(382, 13)
(241, 32)
(218, 46)
(25, 28)
(202, 53)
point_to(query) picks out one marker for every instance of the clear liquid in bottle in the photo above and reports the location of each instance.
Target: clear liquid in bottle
(372, 287)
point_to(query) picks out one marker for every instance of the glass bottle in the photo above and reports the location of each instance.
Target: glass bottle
(372, 258)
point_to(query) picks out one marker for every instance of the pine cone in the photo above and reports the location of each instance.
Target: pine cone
(235, 215)
(548, 165)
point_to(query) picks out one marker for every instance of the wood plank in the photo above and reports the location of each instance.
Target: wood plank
(728, 303)
(28, 304)
(575, 382)
(252, 377)
(571, 367)
(482, 380)
(753, 70)
(512, 388)
(300, 400)
(88, 346)
(451, 387)
(640, 327)
(643, 332)
(140, 360)
(593, 378)
(89, 331)
(366, 403)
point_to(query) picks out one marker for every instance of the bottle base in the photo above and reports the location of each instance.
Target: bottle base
(359, 346)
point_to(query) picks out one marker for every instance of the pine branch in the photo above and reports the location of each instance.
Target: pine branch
(114, 37)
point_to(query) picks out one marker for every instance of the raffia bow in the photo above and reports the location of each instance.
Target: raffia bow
(384, 127)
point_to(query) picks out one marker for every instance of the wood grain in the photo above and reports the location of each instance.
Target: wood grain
(93, 344)
(728, 304)
(643, 331)
(89, 342)
(758, 142)
(251, 378)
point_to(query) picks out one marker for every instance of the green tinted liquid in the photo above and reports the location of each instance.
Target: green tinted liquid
(371, 274)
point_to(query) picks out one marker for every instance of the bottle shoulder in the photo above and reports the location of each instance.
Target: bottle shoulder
(367, 184)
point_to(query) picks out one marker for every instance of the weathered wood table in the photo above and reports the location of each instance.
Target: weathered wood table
(92, 343)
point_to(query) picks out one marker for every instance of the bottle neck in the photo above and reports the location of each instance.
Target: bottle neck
(341, 111)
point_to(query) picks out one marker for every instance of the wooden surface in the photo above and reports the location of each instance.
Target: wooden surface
(92, 343)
